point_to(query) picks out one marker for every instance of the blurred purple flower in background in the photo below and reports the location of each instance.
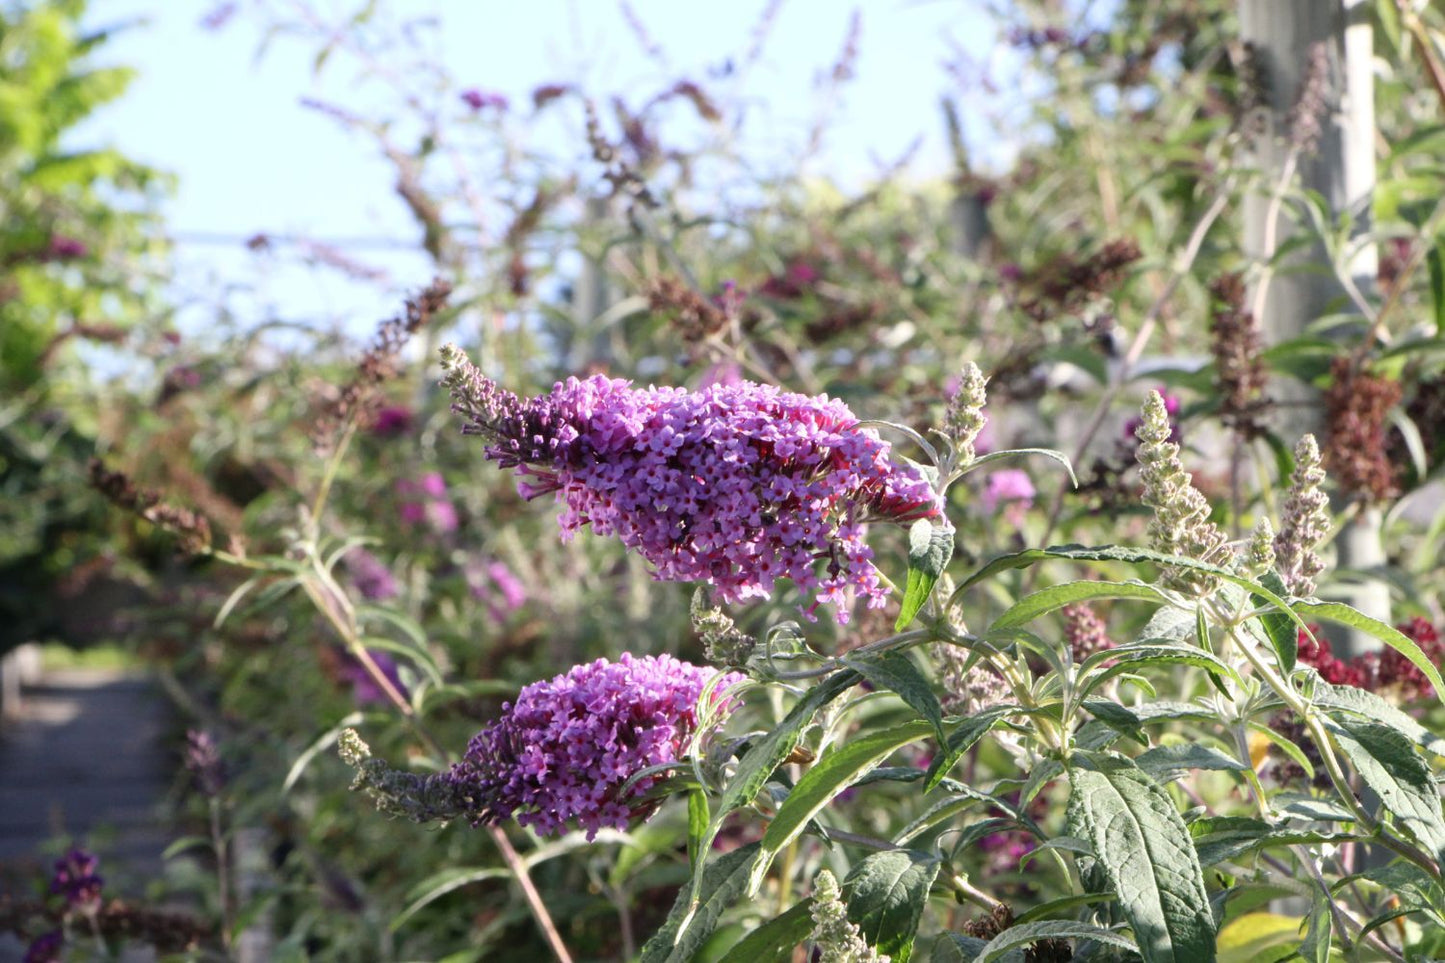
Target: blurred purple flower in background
(203, 762)
(63, 248)
(561, 752)
(478, 99)
(425, 501)
(495, 584)
(76, 879)
(722, 373)
(392, 421)
(364, 689)
(1004, 850)
(46, 948)
(1010, 489)
(372, 578)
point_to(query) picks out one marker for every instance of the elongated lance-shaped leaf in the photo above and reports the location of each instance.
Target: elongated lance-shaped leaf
(697, 821)
(757, 764)
(994, 456)
(1391, 636)
(1370, 706)
(1103, 666)
(1390, 764)
(1221, 838)
(1166, 762)
(958, 948)
(944, 810)
(1259, 938)
(896, 672)
(1278, 628)
(1024, 934)
(1142, 844)
(1284, 745)
(1055, 597)
(1064, 903)
(1411, 885)
(961, 740)
(929, 550)
(437, 885)
(1122, 553)
(690, 924)
(886, 894)
(775, 940)
(1315, 948)
(835, 771)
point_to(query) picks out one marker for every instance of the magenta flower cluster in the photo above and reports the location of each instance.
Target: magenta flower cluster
(561, 752)
(737, 485)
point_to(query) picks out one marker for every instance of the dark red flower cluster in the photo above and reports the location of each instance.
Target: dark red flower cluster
(1387, 671)
(1316, 652)
(1394, 671)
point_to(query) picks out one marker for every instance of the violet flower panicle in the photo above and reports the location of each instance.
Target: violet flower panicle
(736, 485)
(561, 752)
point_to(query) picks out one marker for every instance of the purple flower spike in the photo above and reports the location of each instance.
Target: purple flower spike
(561, 752)
(737, 485)
(75, 879)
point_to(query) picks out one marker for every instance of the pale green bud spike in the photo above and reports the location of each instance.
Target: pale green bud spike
(1305, 522)
(964, 417)
(1181, 524)
(837, 940)
(1261, 548)
(351, 748)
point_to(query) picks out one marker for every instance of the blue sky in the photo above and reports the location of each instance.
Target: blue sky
(251, 159)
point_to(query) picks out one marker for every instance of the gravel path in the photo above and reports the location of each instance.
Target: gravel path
(83, 760)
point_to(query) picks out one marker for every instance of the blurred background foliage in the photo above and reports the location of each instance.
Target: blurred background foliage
(657, 251)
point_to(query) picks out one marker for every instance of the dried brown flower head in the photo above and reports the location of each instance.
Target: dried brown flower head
(193, 530)
(1306, 117)
(695, 317)
(1357, 405)
(621, 175)
(359, 399)
(1068, 284)
(1237, 346)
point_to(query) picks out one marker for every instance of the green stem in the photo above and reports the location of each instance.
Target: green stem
(1305, 710)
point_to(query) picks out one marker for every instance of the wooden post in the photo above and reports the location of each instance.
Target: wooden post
(1342, 170)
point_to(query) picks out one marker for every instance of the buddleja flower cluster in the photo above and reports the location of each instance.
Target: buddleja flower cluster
(562, 751)
(736, 485)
